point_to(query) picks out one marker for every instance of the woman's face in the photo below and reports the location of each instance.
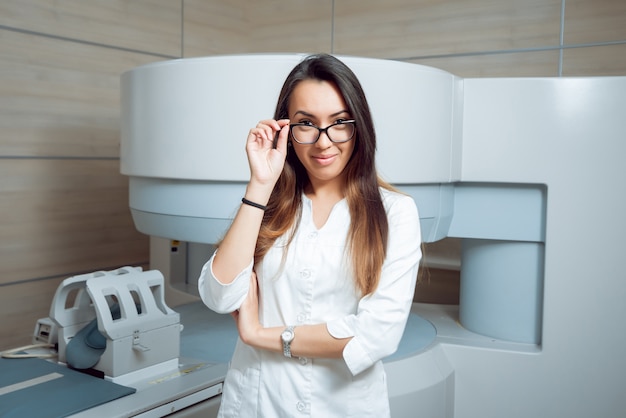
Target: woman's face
(321, 104)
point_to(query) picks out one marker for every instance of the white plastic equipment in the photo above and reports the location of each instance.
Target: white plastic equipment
(146, 336)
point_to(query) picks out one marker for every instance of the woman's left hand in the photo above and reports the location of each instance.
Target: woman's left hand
(247, 317)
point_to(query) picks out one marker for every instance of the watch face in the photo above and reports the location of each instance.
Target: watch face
(287, 335)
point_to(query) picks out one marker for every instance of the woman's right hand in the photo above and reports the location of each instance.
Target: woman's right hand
(266, 161)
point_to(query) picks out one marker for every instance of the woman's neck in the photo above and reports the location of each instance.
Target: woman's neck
(324, 197)
(328, 191)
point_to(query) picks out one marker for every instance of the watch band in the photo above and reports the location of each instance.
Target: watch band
(287, 337)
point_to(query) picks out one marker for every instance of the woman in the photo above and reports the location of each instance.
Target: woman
(319, 265)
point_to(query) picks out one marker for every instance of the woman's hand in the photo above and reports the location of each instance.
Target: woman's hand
(247, 317)
(265, 158)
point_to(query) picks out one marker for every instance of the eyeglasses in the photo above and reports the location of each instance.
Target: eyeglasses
(338, 132)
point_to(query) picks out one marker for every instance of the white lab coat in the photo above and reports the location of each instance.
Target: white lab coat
(316, 286)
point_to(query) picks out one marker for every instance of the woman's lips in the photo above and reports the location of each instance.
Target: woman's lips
(325, 159)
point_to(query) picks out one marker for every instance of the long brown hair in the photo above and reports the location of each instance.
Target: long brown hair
(367, 237)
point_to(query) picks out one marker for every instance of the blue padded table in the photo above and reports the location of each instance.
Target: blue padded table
(31, 387)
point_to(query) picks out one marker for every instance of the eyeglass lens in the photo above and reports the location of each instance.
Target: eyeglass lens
(308, 134)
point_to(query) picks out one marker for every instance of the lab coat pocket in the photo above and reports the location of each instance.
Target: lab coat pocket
(240, 397)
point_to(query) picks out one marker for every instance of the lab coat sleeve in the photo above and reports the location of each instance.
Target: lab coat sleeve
(219, 297)
(378, 325)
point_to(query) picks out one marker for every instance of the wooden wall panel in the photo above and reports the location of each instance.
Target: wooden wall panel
(605, 60)
(63, 203)
(21, 306)
(294, 26)
(520, 64)
(144, 25)
(60, 216)
(438, 286)
(214, 27)
(408, 28)
(594, 21)
(60, 98)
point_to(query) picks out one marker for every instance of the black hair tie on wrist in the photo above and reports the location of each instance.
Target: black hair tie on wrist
(251, 203)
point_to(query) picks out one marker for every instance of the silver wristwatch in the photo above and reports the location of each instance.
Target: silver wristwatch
(287, 337)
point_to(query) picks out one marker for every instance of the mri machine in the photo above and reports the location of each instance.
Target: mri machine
(527, 172)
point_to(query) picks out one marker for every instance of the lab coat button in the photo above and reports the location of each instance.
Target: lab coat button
(306, 273)
(304, 361)
(300, 406)
(301, 318)
(313, 235)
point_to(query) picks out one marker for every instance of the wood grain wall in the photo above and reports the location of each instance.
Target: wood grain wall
(63, 203)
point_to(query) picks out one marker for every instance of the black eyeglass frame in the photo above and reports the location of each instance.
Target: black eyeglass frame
(325, 130)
